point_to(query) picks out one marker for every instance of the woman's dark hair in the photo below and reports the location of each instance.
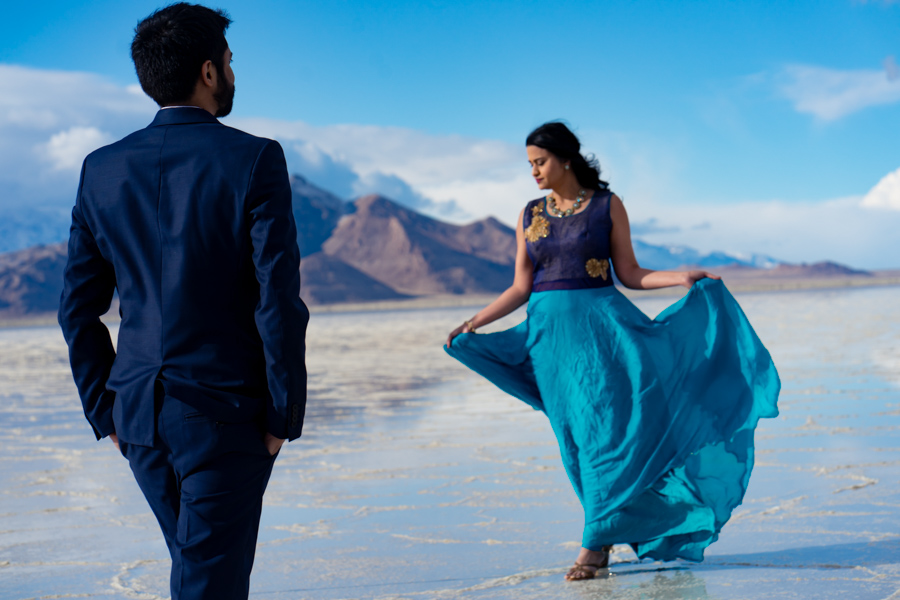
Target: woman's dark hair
(171, 45)
(555, 137)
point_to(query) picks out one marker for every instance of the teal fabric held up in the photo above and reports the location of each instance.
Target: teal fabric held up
(654, 417)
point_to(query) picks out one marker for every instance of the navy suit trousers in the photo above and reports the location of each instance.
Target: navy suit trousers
(204, 481)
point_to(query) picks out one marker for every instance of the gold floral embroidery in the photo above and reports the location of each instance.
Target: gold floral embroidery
(597, 268)
(539, 227)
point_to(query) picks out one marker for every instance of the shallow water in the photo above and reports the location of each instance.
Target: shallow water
(416, 479)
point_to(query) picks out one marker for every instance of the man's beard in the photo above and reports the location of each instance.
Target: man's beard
(224, 98)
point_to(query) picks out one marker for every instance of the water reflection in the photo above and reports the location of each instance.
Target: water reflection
(416, 479)
(663, 584)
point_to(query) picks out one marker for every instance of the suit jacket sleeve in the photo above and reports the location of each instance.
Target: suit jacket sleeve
(88, 286)
(281, 316)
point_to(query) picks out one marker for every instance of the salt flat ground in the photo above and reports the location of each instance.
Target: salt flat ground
(415, 479)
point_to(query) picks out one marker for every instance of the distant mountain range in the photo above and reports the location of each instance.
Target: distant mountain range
(673, 257)
(374, 249)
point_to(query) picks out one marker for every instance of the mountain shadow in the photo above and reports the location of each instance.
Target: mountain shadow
(328, 280)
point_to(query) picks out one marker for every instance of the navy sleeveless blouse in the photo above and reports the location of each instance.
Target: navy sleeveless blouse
(569, 253)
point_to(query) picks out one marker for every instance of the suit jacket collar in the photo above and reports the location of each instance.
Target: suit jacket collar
(182, 115)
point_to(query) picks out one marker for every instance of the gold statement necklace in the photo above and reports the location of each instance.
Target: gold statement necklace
(556, 212)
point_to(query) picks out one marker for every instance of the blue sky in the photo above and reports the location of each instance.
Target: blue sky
(765, 127)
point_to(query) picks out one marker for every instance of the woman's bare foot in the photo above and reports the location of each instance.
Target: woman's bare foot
(588, 563)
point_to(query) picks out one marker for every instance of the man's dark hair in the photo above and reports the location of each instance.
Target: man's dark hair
(171, 45)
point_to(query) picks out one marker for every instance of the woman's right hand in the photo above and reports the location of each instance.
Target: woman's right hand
(464, 328)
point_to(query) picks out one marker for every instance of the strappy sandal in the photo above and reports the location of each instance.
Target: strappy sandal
(583, 571)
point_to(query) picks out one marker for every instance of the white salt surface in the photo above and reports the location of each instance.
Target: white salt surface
(415, 479)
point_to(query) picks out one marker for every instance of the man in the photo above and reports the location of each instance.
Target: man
(191, 222)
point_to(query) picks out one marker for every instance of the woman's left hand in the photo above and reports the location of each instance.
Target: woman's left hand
(692, 277)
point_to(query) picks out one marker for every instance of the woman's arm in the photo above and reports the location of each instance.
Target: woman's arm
(626, 265)
(515, 295)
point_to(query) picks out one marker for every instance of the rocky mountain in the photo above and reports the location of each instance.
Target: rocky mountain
(31, 280)
(417, 255)
(316, 213)
(375, 249)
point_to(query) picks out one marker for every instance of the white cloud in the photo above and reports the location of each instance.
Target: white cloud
(885, 194)
(44, 99)
(838, 230)
(830, 94)
(459, 177)
(66, 150)
(492, 178)
(891, 68)
(465, 176)
(65, 115)
(49, 120)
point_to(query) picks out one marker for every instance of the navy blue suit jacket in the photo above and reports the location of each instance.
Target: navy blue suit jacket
(191, 222)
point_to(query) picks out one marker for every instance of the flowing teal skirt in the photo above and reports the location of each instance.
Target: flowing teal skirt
(654, 417)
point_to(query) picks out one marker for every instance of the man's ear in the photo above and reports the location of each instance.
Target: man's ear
(208, 74)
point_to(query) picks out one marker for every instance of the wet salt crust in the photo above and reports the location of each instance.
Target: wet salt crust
(417, 479)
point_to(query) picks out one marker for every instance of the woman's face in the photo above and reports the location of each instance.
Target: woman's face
(546, 168)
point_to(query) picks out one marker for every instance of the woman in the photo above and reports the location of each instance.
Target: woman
(654, 418)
